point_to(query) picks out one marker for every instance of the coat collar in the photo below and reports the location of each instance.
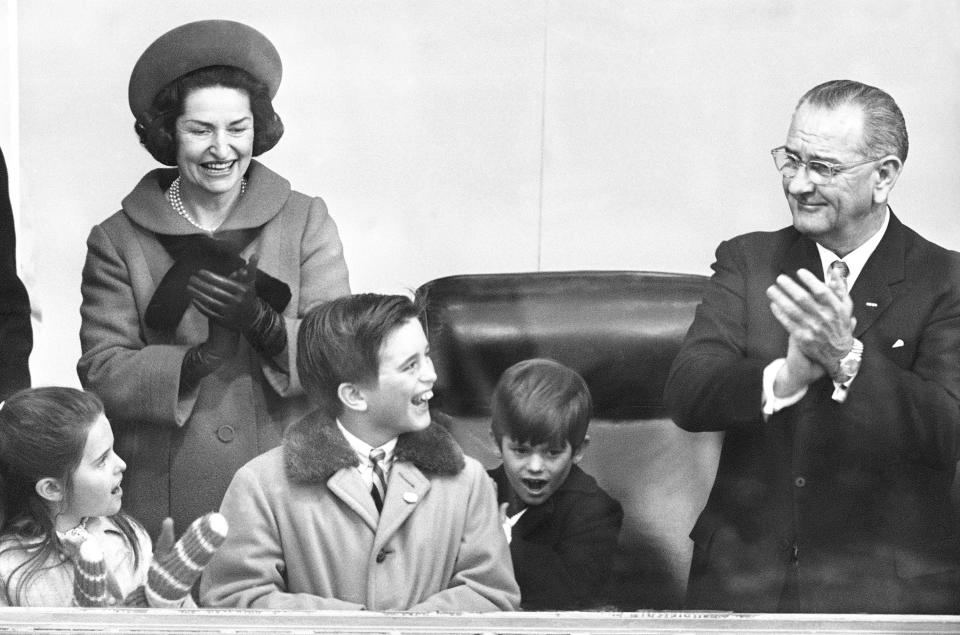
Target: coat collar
(314, 449)
(148, 207)
(872, 292)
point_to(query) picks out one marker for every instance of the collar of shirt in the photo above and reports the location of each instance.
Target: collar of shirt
(512, 520)
(857, 258)
(362, 448)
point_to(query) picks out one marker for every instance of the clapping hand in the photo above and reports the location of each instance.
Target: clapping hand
(818, 317)
(230, 301)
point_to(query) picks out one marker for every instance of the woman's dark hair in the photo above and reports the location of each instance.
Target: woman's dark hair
(157, 126)
(44, 434)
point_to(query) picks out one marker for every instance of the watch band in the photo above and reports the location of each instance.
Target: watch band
(850, 364)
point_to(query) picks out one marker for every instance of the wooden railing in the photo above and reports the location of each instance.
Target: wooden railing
(253, 621)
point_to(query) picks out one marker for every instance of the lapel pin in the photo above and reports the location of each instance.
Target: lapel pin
(897, 344)
(872, 305)
(410, 497)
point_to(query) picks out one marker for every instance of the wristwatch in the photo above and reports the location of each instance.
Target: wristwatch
(850, 364)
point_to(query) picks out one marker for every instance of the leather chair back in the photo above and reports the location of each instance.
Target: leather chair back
(620, 330)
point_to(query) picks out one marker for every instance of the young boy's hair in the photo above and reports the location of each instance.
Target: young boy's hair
(541, 401)
(339, 341)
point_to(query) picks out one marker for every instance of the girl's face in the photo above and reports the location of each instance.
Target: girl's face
(95, 483)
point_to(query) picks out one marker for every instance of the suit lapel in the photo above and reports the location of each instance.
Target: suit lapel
(871, 293)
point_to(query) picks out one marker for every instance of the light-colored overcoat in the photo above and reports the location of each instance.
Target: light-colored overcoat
(182, 450)
(305, 534)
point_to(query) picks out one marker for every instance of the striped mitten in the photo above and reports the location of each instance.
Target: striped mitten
(89, 576)
(173, 574)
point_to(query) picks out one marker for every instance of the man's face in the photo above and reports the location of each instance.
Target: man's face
(398, 403)
(841, 214)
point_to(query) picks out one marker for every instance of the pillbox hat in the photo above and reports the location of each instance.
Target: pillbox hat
(199, 44)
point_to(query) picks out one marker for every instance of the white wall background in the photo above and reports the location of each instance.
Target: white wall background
(454, 136)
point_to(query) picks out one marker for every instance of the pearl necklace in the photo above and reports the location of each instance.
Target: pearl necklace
(173, 195)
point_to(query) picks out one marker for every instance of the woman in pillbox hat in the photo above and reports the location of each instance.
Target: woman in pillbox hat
(194, 290)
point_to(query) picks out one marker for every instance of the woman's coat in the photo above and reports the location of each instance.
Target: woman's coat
(182, 450)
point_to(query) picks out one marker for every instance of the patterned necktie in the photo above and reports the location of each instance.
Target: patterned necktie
(842, 267)
(379, 488)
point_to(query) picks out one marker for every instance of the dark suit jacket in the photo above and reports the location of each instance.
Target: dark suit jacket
(16, 333)
(828, 507)
(563, 549)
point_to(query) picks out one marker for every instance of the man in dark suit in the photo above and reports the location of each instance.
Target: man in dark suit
(16, 333)
(837, 386)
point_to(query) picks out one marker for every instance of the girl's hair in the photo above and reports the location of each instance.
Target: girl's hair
(44, 432)
(157, 126)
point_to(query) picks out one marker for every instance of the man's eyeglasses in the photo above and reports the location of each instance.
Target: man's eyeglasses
(819, 172)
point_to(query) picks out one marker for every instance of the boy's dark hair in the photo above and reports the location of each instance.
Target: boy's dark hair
(541, 401)
(157, 127)
(339, 341)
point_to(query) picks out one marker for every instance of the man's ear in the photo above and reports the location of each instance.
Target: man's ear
(888, 172)
(578, 453)
(351, 396)
(50, 489)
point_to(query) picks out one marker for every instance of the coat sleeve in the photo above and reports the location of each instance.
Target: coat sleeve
(135, 380)
(483, 575)
(16, 332)
(323, 276)
(248, 569)
(573, 572)
(713, 383)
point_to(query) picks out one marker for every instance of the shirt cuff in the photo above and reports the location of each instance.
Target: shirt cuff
(772, 403)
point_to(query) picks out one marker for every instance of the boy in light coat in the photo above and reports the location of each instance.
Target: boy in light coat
(306, 532)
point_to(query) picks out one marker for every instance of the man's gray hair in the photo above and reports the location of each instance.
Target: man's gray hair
(884, 129)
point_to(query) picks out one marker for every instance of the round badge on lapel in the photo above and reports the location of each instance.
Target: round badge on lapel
(410, 497)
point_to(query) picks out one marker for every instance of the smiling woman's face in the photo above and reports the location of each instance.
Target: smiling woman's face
(214, 139)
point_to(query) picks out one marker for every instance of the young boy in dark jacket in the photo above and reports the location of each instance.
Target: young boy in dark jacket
(561, 526)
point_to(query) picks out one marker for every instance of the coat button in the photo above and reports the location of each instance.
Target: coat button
(381, 556)
(799, 481)
(226, 433)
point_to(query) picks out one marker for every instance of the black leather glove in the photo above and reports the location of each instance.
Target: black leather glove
(233, 303)
(203, 359)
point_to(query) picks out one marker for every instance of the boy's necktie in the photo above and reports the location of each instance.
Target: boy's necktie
(379, 488)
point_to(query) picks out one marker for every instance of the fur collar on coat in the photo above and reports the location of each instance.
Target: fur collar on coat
(314, 448)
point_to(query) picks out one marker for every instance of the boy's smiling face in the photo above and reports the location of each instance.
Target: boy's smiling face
(537, 471)
(398, 403)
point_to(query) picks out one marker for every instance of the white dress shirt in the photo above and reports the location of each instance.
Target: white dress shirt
(362, 448)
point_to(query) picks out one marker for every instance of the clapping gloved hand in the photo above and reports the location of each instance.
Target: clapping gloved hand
(174, 569)
(233, 303)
